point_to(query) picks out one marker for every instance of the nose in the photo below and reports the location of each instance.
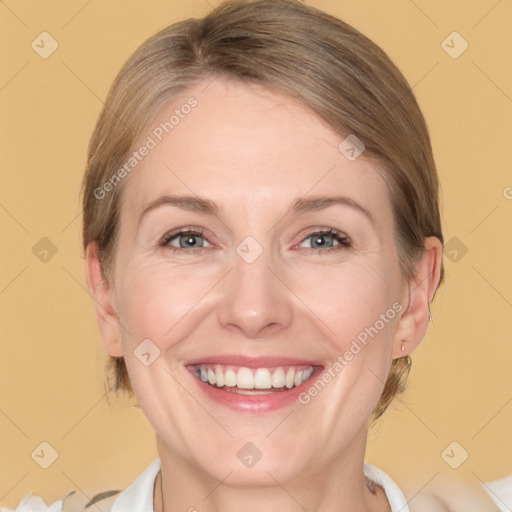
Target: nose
(255, 301)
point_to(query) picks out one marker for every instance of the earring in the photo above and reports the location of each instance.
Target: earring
(403, 347)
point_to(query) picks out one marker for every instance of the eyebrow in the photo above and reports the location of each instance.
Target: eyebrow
(299, 206)
(189, 203)
(311, 203)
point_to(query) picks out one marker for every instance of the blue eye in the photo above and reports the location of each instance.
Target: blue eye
(185, 240)
(326, 239)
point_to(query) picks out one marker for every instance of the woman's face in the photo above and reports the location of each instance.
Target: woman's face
(286, 269)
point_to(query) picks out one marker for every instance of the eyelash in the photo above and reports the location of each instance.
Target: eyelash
(342, 239)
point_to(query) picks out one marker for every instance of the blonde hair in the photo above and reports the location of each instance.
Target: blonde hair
(305, 53)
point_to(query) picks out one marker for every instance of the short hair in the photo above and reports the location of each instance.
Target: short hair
(295, 49)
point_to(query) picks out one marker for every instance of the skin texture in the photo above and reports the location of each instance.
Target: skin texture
(449, 494)
(254, 152)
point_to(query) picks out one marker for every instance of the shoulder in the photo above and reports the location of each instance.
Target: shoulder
(72, 502)
(395, 496)
(138, 497)
(501, 492)
(104, 501)
(448, 494)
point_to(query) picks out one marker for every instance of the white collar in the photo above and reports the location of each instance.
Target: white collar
(394, 495)
(139, 496)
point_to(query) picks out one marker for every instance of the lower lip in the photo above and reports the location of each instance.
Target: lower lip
(256, 404)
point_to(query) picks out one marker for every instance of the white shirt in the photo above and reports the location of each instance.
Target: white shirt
(501, 492)
(139, 496)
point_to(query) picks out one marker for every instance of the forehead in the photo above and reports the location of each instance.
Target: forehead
(244, 143)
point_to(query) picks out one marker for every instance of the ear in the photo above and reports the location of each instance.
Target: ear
(102, 291)
(413, 324)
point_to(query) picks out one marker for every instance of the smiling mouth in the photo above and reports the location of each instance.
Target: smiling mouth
(251, 381)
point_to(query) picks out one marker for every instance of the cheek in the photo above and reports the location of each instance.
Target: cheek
(157, 301)
(363, 312)
(347, 300)
(360, 307)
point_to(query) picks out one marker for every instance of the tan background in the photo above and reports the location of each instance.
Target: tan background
(52, 383)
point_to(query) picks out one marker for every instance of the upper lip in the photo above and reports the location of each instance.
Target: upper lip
(252, 362)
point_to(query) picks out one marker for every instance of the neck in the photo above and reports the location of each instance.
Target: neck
(339, 486)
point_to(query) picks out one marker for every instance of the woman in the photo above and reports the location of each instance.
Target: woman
(265, 265)
(260, 210)
(263, 241)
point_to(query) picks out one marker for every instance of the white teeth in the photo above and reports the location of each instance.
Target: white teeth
(290, 378)
(250, 379)
(229, 378)
(278, 378)
(245, 378)
(219, 377)
(263, 379)
(306, 374)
